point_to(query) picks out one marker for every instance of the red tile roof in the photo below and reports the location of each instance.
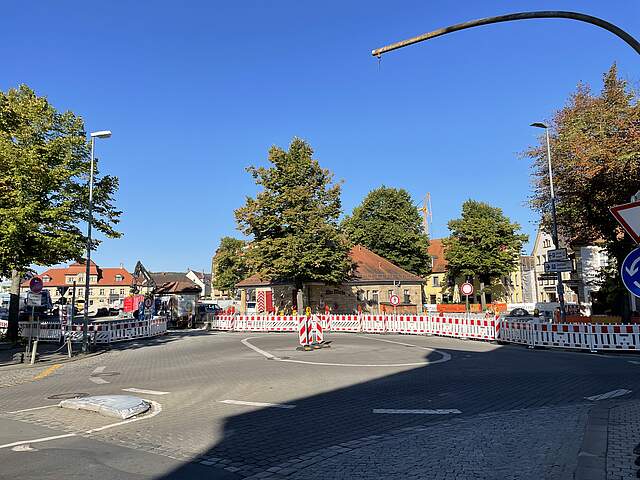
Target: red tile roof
(106, 276)
(369, 268)
(436, 250)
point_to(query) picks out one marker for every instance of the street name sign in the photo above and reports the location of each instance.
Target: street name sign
(466, 288)
(558, 266)
(558, 254)
(628, 215)
(630, 272)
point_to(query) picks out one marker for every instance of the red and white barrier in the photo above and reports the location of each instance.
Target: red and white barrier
(303, 331)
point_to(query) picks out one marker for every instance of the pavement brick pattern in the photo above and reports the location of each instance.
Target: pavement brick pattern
(623, 436)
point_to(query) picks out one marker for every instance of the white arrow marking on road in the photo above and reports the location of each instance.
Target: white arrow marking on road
(24, 448)
(418, 411)
(34, 408)
(143, 391)
(257, 404)
(611, 394)
(98, 370)
(634, 267)
(98, 380)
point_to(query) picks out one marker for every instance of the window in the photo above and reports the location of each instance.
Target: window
(119, 278)
(102, 291)
(374, 296)
(80, 292)
(112, 291)
(93, 278)
(436, 281)
(407, 296)
(432, 299)
(390, 293)
(69, 279)
(122, 291)
(46, 279)
(90, 291)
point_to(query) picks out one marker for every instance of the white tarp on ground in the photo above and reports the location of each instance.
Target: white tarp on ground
(119, 406)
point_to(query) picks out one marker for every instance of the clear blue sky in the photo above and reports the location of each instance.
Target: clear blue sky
(195, 93)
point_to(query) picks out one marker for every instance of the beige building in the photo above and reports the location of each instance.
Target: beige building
(373, 282)
(107, 286)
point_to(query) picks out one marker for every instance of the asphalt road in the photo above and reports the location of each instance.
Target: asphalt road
(234, 405)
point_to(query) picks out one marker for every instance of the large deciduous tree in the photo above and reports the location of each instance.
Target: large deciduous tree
(388, 223)
(483, 243)
(293, 220)
(44, 168)
(230, 264)
(595, 153)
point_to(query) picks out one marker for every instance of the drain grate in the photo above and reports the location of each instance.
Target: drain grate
(67, 396)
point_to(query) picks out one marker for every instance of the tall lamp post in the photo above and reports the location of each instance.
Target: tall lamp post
(554, 225)
(87, 274)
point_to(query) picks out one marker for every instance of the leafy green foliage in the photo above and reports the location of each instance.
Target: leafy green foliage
(230, 263)
(293, 220)
(595, 153)
(388, 223)
(483, 242)
(44, 168)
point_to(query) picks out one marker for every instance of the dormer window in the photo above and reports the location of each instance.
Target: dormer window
(119, 278)
(46, 279)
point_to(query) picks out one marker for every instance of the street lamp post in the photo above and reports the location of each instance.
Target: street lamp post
(554, 225)
(87, 274)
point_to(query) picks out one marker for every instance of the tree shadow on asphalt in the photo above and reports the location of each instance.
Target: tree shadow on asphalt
(507, 378)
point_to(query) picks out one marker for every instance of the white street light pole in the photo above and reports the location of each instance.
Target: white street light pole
(554, 233)
(87, 275)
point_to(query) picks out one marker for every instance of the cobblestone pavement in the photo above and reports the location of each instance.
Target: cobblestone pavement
(530, 405)
(623, 436)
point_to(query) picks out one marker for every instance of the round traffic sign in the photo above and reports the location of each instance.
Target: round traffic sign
(148, 302)
(466, 288)
(630, 272)
(35, 285)
(394, 300)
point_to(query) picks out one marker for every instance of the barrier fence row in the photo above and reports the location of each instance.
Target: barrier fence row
(470, 326)
(108, 331)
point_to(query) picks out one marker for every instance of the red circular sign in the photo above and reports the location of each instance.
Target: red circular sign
(466, 288)
(35, 285)
(394, 300)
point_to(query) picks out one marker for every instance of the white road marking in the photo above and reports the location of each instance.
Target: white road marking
(418, 411)
(611, 394)
(24, 448)
(34, 408)
(156, 409)
(145, 392)
(445, 357)
(98, 380)
(38, 440)
(257, 404)
(98, 370)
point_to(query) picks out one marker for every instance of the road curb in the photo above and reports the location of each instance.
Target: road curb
(43, 363)
(592, 458)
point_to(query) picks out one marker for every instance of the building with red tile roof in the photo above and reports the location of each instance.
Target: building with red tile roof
(373, 280)
(107, 286)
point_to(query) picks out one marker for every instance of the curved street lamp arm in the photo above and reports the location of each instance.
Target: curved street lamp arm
(511, 17)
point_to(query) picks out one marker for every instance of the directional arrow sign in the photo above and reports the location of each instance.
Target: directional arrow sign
(628, 215)
(630, 272)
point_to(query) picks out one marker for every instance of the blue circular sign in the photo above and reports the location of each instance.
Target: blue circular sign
(630, 272)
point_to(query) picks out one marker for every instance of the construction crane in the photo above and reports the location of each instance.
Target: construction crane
(427, 213)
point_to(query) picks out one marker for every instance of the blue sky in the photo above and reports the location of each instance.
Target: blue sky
(195, 91)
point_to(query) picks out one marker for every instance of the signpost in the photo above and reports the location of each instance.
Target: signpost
(558, 266)
(34, 298)
(467, 289)
(557, 254)
(628, 215)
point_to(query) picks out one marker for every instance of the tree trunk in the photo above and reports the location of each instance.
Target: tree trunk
(14, 306)
(483, 297)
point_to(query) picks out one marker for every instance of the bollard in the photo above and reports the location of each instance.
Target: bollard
(69, 346)
(33, 352)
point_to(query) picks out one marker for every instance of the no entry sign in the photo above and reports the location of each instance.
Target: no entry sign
(466, 288)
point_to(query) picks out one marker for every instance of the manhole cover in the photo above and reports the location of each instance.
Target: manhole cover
(67, 396)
